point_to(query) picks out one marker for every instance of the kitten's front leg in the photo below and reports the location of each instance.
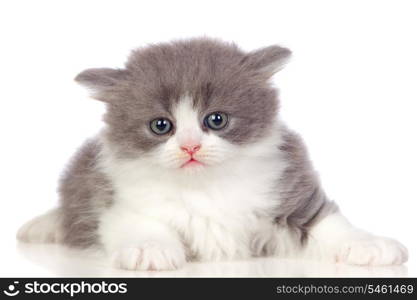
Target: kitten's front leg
(334, 237)
(137, 242)
(306, 207)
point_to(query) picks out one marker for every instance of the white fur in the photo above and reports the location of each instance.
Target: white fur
(42, 229)
(334, 238)
(214, 209)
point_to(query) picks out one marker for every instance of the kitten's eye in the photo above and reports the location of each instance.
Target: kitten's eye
(216, 121)
(161, 126)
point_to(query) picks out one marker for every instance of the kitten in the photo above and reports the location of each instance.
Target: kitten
(195, 164)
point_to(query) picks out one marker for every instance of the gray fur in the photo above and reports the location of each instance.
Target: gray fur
(219, 77)
(84, 193)
(303, 201)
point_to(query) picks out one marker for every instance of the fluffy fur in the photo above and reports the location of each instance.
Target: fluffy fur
(253, 193)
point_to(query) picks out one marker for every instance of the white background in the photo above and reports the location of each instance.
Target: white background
(350, 90)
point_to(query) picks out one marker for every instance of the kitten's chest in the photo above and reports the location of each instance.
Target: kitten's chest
(217, 219)
(217, 216)
(219, 198)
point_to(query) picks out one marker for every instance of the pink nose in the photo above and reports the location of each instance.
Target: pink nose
(191, 149)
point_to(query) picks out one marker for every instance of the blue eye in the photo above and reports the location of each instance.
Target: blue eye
(161, 126)
(216, 121)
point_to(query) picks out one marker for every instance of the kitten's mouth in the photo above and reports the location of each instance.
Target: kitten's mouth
(192, 163)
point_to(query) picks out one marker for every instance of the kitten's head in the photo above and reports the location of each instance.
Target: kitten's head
(188, 104)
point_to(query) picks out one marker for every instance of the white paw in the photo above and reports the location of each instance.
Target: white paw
(42, 229)
(149, 256)
(371, 250)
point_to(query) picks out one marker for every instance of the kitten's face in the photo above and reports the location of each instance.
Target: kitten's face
(188, 105)
(193, 138)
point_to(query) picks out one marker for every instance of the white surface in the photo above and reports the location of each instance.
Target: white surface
(53, 260)
(350, 90)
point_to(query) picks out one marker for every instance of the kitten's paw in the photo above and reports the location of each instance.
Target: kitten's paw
(42, 229)
(150, 256)
(371, 250)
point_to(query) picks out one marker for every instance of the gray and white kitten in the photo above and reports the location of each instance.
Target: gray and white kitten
(194, 163)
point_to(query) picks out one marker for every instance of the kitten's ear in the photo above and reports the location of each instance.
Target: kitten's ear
(102, 81)
(267, 61)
